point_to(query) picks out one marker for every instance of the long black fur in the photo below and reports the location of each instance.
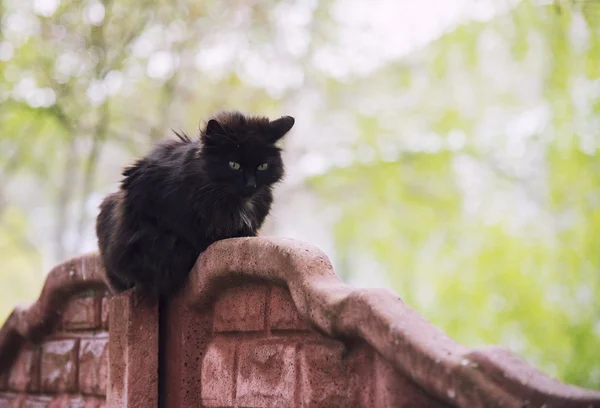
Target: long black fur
(185, 195)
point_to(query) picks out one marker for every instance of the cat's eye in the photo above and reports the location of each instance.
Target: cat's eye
(263, 166)
(234, 165)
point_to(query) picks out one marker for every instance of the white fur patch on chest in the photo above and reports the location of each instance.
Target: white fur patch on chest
(247, 214)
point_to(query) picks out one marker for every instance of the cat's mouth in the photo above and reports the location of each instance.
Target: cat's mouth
(245, 192)
(248, 192)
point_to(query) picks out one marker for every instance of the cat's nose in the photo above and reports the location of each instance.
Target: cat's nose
(250, 182)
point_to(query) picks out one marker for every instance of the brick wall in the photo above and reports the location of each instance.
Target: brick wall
(69, 367)
(256, 351)
(261, 322)
(265, 322)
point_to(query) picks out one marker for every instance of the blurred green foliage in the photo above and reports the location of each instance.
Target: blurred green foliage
(473, 181)
(534, 287)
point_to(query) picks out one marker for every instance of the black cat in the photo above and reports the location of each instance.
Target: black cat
(185, 195)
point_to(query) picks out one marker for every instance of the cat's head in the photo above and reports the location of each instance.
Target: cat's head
(239, 152)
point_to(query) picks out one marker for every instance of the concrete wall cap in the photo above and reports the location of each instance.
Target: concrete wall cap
(459, 376)
(33, 323)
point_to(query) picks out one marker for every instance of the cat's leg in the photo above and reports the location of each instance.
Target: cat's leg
(132, 269)
(174, 260)
(117, 283)
(157, 261)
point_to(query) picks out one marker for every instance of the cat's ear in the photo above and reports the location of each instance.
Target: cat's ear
(280, 127)
(214, 128)
(214, 133)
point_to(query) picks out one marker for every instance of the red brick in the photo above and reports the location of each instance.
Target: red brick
(36, 401)
(65, 401)
(25, 372)
(241, 309)
(76, 402)
(104, 313)
(14, 401)
(59, 366)
(330, 380)
(266, 375)
(82, 314)
(283, 312)
(95, 403)
(8, 400)
(3, 380)
(394, 389)
(217, 375)
(93, 366)
(133, 350)
(186, 337)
